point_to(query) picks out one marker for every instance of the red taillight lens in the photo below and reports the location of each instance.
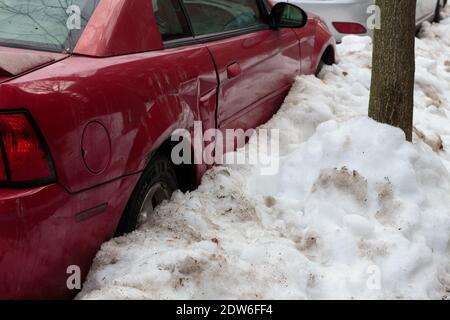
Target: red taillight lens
(26, 158)
(349, 28)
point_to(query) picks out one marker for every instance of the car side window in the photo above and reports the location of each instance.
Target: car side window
(171, 20)
(216, 16)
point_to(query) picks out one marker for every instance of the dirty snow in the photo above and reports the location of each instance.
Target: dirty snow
(354, 212)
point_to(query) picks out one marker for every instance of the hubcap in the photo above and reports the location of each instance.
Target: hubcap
(155, 196)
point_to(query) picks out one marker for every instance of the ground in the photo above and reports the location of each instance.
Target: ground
(354, 212)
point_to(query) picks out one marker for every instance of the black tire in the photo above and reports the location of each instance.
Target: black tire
(437, 14)
(328, 58)
(320, 67)
(160, 176)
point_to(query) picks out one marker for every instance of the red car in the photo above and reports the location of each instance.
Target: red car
(89, 96)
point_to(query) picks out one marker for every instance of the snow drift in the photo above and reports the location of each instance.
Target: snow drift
(355, 211)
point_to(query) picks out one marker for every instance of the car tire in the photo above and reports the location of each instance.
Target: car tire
(156, 184)
(320, 67)
(437, 15)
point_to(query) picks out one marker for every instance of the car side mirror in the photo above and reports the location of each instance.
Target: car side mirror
(287, 15)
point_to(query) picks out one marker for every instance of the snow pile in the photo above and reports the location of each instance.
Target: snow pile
(354, 212)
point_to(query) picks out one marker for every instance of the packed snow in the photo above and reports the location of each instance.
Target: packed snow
(355, 212)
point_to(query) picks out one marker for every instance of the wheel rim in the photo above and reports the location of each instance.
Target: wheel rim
(155, 196)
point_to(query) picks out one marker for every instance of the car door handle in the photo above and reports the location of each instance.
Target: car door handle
(233, 70)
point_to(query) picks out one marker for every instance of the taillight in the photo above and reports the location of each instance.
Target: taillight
(349, 28)
(25, 158)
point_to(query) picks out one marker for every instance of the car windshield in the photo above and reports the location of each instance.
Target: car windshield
(49, 25)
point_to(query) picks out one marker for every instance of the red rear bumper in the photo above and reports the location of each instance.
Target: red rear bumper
(45, 230)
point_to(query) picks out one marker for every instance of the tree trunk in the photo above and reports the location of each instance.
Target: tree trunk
(393, 66)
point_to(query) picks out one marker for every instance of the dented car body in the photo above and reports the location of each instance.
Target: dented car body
(80, 122)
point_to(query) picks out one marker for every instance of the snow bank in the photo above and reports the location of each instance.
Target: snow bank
(354, 212)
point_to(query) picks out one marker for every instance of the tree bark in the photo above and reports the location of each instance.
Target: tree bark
(393, 65)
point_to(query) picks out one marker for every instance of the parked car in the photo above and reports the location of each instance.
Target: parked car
(89, 97)
(344, 17)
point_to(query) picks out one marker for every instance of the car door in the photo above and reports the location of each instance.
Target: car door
(256, 65)
(189, 77)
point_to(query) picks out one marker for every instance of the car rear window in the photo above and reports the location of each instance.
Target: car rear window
(49, 25)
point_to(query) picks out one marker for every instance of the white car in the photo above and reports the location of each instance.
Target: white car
(345, 17)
